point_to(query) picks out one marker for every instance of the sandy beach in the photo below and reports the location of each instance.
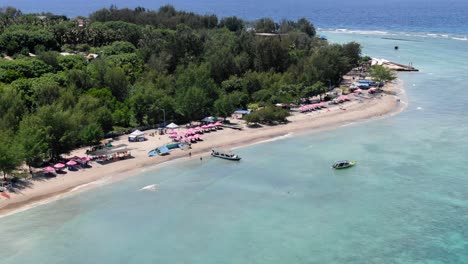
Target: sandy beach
(41, 190)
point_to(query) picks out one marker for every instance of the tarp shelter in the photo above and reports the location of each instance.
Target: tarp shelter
(136, 136)
(172, 126)
(163, 150)
(171, 146)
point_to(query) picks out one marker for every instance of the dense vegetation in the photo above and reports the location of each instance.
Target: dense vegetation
(150, 65)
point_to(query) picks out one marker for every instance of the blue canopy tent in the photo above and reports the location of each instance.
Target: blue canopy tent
(242, 112)
(363, 85)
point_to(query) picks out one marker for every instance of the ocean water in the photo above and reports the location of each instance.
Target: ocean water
(405, 202)
(429, 16)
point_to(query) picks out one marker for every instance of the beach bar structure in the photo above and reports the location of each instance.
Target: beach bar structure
(136, 136)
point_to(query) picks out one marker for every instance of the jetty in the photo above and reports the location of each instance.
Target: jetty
(393, 65)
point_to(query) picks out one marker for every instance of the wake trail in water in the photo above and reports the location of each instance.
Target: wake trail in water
(150, 188)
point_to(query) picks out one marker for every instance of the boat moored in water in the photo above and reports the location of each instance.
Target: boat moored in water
(224, 155)
(343, 164)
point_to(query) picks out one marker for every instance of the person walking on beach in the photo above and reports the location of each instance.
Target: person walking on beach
(190, 154)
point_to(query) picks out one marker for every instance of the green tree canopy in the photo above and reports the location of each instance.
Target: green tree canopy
(268, 115)
(22, 68)
(192, 103)
(25, 38)
(32, 140)
(10, 153)
(380, 73)
(91, 134)
(232, 23)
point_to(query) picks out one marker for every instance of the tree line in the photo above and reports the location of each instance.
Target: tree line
(150, 65)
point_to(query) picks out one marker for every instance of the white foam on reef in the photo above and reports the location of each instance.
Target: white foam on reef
(419, 108)
(395, 33)
(150, 188)
(353, 31)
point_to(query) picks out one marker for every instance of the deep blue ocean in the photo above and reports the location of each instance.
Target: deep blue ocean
(406, 201)
(430, 16)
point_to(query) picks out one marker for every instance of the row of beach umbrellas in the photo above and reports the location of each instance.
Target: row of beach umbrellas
(342, 98)
(195, 130)
(72, 162)
(309, 107)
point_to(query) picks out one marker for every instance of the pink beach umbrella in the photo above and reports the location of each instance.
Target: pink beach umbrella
(71, 163)
(85, 159)
(204, 127)
(218, 123)
(358, 91)
(49, 169)
(59, 166)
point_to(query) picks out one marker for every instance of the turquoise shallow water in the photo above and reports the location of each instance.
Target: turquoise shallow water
(405, 202)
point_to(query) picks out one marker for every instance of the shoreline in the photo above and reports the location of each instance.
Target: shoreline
(45, 191)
